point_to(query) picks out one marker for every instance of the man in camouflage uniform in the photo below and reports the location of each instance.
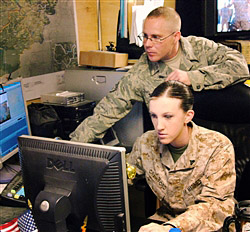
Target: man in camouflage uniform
(196, 189)
(195, 61)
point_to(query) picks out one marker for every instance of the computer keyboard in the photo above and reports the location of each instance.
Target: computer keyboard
(13, 193)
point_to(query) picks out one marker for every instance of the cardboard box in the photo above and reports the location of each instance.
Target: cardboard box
(103, 59)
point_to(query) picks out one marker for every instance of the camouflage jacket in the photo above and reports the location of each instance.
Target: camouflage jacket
(197, 191)
(209, 66)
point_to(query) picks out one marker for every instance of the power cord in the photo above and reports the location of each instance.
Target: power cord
(2, 88)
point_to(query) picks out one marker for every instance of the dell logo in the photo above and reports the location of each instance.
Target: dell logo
(60, 165)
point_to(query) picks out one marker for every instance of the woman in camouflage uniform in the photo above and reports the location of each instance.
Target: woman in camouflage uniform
(190, 169)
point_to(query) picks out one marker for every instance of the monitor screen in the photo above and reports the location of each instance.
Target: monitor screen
(13, 119)
(233, 17)
(69, 184)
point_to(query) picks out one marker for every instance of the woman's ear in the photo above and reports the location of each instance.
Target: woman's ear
(189, 116)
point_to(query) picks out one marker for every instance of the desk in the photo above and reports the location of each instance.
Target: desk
(8, 213)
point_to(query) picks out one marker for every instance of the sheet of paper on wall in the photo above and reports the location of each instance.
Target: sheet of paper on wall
(155, 3)
(139, 13)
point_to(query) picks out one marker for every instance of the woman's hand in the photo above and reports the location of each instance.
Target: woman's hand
(154, 227)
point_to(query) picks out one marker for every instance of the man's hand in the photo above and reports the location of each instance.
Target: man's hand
(179, 75)
(154, 227)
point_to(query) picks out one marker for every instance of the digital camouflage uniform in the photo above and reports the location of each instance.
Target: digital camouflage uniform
(209, 66)
(197, 191)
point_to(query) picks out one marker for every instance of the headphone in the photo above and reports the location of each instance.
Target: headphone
(242, 212)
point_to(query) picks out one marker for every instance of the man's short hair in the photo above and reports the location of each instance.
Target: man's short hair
(171, 16)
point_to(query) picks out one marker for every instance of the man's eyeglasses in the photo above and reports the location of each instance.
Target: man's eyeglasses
(155, 39)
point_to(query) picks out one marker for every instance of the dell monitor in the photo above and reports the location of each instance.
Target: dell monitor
(69, 185)
(13, 123)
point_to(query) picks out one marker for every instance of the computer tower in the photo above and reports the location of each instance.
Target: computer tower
(72, 115)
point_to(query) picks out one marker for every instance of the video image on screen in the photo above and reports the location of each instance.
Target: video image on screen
(233, 15)
(70, 184)
(4, 108)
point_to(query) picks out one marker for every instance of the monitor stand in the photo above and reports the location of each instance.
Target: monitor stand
(52, 205)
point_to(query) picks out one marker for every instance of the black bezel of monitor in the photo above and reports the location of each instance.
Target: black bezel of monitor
(65, 181)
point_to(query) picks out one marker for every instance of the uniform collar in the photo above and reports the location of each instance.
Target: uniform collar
(188, 158)
(155, 67)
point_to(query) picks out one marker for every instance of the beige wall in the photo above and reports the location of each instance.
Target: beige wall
(87, 21)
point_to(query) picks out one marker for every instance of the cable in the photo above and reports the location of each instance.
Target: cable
(9, 77)
(11, 169)
(2, 88)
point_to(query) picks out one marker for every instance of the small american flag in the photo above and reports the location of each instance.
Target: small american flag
(24, 223)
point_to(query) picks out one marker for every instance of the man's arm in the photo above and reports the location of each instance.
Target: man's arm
(116, 105)
(217, 66)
